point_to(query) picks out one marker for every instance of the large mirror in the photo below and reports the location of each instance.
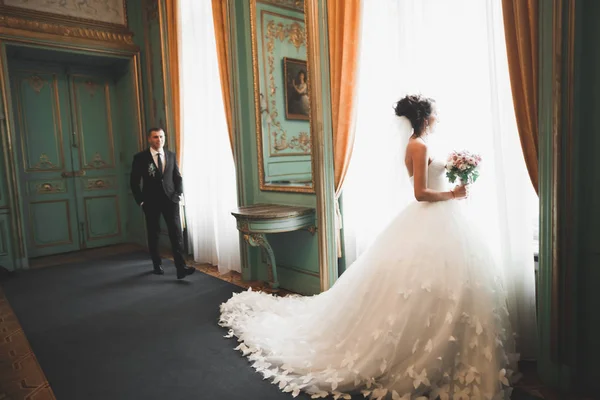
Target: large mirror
(281, 87)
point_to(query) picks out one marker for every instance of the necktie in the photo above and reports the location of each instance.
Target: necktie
(160, 165)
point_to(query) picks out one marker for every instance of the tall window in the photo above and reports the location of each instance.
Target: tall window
(452, 51)
(208, 166)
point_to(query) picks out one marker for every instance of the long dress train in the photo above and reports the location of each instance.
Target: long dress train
(421, 313)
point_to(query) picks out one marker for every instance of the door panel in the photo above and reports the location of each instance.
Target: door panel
(38, 111)
(102, 223)
(41, 109)
(71, 175)
(93, 107)
(93, 115)
(48, 227)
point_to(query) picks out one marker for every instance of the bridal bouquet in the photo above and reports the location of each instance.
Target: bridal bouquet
(463, 165)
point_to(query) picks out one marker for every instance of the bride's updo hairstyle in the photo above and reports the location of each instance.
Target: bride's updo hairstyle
(417, 109)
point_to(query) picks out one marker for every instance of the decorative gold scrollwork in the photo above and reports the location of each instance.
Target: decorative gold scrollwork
(36, 83)
(296, 35)
(66, 30)
(97, 162)
(243, 227)
(44, 162)
(49, 187)
(99, 183)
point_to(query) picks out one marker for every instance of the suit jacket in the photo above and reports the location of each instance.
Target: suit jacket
(154, 184)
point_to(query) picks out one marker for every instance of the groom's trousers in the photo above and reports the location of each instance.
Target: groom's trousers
(170, 212)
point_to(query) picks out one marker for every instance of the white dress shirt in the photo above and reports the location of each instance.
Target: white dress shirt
(162, 157)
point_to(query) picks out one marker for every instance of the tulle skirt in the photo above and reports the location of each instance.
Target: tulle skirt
(421, 313)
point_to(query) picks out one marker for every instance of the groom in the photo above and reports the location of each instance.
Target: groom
(161, 188)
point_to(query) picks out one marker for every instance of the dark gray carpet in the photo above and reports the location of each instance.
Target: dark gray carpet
(111, 330)
(108, 329)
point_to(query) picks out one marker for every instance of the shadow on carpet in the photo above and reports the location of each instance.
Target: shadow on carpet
(109, 329)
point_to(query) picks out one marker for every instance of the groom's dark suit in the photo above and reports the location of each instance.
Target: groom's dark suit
(159, 195)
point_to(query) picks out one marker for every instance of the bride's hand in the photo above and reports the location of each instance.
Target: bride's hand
(460, 192)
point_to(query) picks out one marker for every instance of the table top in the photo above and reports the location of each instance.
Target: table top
(271, 211)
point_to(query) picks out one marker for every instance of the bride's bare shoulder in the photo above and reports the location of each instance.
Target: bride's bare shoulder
(416, 146)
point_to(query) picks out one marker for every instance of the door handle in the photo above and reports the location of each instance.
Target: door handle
(72, 174)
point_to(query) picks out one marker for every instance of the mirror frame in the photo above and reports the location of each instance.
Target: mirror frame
(258, 115)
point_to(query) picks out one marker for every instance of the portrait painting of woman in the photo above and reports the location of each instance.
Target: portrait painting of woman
(297, 105)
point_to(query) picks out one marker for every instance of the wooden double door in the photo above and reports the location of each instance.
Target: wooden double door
(71, 174)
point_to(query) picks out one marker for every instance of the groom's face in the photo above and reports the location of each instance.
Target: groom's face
(156, 139)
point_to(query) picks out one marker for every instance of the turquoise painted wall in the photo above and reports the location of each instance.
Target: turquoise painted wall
(574, 368)
(587, 196)
(143, 18)
(296, 252)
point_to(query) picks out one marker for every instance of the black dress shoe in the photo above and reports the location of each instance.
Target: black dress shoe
(158, 270)
(184, 271)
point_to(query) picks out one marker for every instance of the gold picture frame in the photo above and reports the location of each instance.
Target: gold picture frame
(295, 89)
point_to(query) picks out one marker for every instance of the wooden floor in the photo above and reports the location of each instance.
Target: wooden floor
(21, 376)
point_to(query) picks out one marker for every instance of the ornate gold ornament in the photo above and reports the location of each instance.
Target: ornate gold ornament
(36, 83)
(50, 187)
(44, 163)
(97, 162)
(66, 30)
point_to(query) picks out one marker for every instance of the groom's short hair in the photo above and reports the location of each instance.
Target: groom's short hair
(154, 130)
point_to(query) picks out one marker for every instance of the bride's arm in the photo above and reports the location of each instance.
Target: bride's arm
(420, 162)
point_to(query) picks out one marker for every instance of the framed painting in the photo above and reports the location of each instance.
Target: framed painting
(297, 104)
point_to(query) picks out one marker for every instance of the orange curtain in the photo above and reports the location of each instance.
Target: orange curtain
(521, 23)
(344, 34)
(172, 25)
(222, 38)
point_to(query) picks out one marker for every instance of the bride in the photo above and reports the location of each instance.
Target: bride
(421, 313)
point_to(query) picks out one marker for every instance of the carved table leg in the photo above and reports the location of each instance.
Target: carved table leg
(260, 240)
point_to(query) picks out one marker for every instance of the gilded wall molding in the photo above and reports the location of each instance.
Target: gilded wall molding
(294, 34)
(296, 5)
(66, 30)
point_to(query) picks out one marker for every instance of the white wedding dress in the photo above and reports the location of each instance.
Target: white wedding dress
(421, 313)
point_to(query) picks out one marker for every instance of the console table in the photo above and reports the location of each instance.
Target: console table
(257, 220)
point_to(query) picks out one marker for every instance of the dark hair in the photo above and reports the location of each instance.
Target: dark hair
(153, 130)
(417, 109)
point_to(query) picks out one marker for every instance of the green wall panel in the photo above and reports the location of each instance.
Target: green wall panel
(587, 196)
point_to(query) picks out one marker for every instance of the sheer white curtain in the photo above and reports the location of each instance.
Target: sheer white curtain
(208, 166)
(454, 52)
